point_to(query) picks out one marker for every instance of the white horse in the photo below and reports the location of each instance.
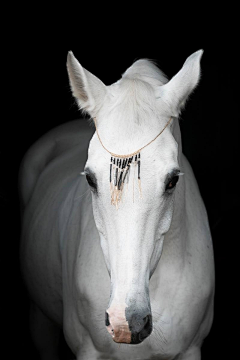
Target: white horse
(136, 259)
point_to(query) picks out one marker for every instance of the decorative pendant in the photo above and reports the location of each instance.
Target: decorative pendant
(119, 176)
(120, 166)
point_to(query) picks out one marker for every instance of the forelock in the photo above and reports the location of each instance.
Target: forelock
(133, 96)
(147, 71)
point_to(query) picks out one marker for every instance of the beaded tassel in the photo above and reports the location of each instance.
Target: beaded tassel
(119, 176)
(120, 168)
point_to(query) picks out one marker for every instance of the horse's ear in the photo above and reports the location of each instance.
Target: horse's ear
(88, 90)
(175, 93)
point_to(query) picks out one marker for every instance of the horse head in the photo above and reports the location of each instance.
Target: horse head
(133, 220)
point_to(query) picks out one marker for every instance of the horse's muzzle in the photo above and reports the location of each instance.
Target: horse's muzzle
(131, 330)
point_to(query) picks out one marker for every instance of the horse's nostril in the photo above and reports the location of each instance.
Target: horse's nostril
(107, 323)
(138, 335)
(147, 322)
(147, 328)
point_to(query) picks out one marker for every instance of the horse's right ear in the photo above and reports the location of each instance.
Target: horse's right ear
(175, 93)
(88, 90)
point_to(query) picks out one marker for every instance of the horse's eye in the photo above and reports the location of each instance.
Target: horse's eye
(172, 183)
(91, 181)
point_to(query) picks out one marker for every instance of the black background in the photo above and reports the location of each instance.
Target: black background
(37, 98)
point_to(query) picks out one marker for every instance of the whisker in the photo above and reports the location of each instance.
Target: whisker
(87, 191)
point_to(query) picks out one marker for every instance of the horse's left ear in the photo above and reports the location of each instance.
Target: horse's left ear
(88, 90)
(175, 93)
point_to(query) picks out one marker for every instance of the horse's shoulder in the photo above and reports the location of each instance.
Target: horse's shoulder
(48, 147)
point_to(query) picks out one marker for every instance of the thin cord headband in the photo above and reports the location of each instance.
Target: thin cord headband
(120, 168)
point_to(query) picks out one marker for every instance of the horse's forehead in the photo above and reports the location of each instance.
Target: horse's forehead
(161, 154)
